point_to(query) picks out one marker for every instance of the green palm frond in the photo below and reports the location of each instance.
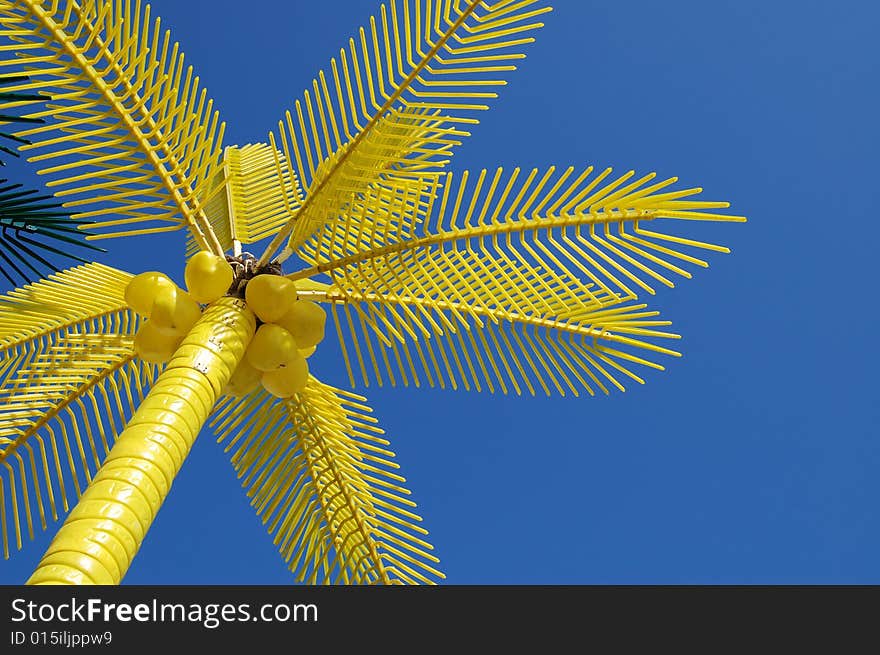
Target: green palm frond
(23, 98)
(128, 135)
(321, 477)
(69, 382)
(397, 100)
(32, 229)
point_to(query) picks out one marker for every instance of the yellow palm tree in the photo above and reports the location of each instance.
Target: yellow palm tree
(499, 280)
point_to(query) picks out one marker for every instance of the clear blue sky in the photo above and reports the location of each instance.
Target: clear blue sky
(755, 457)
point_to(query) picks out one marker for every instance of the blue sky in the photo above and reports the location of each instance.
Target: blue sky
(754, 458)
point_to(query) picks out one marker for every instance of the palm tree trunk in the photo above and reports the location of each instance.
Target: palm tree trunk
(102, 534)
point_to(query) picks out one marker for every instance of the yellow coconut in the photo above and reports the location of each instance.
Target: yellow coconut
(305, 320)
(174, 312)
(142, 289)
(208, 277)
(153, 346)
(271, 347)
(284, 382)
(244, 379)
(269, 296)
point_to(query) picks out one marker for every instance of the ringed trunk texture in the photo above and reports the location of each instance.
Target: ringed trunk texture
(102, 534)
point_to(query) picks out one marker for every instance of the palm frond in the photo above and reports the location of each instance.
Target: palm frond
(6, 97)
(322, 479)
(128, 136)
(69, 382)
(390, 210)
(29, 226)
(253, 196)
(409, 340)
(397, 100)
(32, 229)
(526, 283)
(561, 221)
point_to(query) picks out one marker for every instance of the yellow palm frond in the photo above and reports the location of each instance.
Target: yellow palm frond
(386, 212)
(526, 281)
(58, 302)
(417, 340)
(254, 196)
(68, 384)
(397, 99)
(561, 222)
(128, 135)
(321, 477)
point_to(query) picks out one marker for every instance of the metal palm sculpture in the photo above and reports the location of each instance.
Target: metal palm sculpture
(511, 281)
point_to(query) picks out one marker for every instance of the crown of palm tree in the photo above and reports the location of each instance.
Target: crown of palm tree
(524, 281)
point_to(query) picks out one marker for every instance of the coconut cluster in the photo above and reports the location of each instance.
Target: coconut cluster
(289, 328)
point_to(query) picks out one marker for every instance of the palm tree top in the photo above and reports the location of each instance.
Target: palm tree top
(509, 280)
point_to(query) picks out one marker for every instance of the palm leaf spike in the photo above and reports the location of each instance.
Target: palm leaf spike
(545, 266)
(69, 382)
(135, 144)
(397, 100)
(321, 478)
